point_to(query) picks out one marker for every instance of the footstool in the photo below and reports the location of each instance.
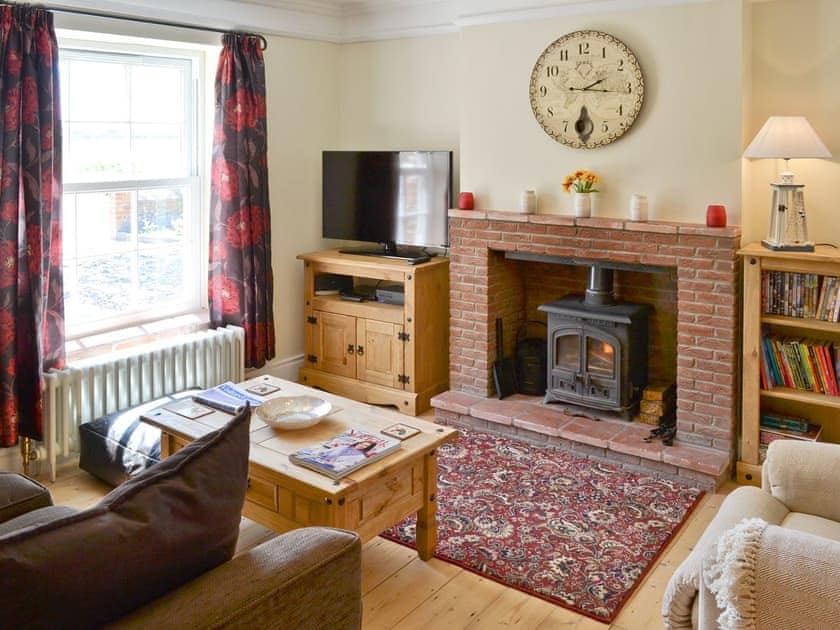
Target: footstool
(118, 446)
(19, 494)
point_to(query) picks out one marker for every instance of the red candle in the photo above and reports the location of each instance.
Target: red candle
(466, 201)
(716, 215)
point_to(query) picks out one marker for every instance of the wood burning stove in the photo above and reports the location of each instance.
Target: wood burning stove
(597, 348)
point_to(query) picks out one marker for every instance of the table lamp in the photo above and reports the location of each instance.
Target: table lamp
(787, 137)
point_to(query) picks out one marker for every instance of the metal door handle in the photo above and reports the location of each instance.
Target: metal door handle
(360, 350)
(349, 348)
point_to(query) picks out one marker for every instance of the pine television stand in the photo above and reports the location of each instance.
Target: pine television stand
(389, 354)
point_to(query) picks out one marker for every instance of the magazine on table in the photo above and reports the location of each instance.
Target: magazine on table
(227, 397)
(345, 453)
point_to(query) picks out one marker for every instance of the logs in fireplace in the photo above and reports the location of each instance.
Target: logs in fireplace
(597, 348)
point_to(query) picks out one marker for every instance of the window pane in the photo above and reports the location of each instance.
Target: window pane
(160, 216)
(98, 92)
(97, 152)
(158, 151)
(105, 222)
(103, 287)
(157, 94)
(161, 276)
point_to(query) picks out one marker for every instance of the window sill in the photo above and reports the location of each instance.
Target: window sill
(122, 338)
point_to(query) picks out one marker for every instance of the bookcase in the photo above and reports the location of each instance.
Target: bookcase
(381, 353)
(800, 297)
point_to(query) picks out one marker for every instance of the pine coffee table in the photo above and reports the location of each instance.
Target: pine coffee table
(283, 496)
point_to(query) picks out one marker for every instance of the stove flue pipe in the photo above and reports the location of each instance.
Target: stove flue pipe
(600, 289)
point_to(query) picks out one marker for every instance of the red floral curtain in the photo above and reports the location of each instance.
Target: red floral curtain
(31, 290)
(240, 288)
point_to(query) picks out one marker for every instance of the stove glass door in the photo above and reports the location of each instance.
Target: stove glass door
(600, 358)
(567, 351)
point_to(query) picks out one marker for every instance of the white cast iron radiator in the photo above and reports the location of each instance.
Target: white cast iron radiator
(91, 388)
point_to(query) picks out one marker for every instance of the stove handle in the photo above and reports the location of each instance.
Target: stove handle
(583, 379)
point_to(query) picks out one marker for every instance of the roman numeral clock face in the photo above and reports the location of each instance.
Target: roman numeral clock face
(586, 89)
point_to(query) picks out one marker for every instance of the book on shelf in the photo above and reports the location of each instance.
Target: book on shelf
(226, 397)
(345, 453)
(788, 423)
(800, 295)
(766, 435)
(803, 364)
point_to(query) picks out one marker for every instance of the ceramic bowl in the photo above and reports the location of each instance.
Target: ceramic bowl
(293, 412)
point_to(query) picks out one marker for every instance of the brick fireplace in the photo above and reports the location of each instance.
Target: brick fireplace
(504, 265)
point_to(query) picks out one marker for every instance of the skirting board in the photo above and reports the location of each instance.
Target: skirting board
(285, 368)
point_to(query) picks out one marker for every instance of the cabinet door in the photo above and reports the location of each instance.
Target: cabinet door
(335, 343)
(379, 353)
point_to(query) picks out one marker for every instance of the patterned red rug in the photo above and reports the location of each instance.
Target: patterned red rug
(573, 531)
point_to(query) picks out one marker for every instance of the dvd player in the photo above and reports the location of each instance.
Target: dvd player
(391, 294)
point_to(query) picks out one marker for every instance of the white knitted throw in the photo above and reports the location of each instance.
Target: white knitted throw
(730, 574)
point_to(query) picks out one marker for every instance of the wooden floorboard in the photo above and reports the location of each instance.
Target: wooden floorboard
(401, 591)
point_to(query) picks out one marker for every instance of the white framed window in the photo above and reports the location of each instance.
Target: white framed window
(134, 233)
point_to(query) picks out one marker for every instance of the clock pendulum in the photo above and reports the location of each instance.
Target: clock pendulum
(584, 125)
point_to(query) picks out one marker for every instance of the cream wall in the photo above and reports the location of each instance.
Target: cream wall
(683, 151)
(795, 71)
(302, 96)
(400, 94)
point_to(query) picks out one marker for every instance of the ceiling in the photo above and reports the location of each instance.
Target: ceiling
(356, 20)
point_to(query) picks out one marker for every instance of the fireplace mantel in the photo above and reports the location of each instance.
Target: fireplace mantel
(706, 268)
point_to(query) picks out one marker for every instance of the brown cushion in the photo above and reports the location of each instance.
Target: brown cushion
(20, 494)
(158, 530)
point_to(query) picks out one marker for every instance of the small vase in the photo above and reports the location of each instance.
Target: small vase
(528, 202)
(466, 201)
(716, 215)
(638, 208)
(594, 199)
(583, 204)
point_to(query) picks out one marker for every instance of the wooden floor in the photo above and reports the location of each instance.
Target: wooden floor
(401, 591)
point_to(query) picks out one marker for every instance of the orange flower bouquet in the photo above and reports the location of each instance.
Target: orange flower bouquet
(581, 181)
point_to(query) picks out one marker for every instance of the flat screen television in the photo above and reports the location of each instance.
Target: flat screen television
(399, 199)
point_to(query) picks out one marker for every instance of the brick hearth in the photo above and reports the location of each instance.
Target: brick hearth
(699, 330)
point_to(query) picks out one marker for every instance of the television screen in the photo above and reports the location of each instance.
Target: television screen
(388, 197)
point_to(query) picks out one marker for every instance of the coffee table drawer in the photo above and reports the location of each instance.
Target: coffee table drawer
(261, 492)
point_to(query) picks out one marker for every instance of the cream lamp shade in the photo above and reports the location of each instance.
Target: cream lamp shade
(787, 137)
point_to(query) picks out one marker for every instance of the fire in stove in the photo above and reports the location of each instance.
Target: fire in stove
(597, 348)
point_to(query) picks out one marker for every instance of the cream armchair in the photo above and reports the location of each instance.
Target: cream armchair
(771, 556)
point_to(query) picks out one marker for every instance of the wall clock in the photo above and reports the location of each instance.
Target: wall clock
(587, 89)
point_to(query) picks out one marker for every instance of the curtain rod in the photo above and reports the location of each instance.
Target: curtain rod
(130, 18)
